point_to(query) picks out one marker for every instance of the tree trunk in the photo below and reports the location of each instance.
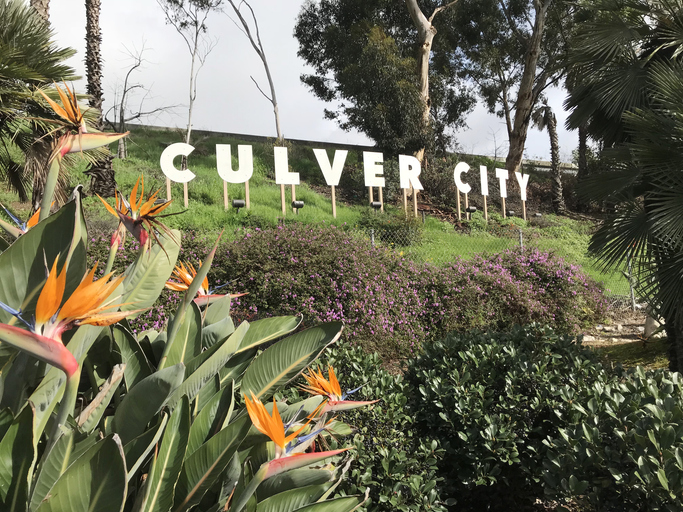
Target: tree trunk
(583, 164)
(674, 334)
(556, 174)
(42, 7)
(102, 180)
(529, 90)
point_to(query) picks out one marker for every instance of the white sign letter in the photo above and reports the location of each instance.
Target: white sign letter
(332, 173)
(502, 175)
(523, 180)
(282, 174)
(372, 166)
(166, 162)
(457, 172)
(483, 174)
(245, 163)
(409, 169)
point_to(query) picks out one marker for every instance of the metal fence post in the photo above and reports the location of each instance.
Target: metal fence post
(521, 239)
(630, 282)
(372, 237)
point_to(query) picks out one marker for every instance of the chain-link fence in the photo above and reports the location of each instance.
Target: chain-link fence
(442, 247)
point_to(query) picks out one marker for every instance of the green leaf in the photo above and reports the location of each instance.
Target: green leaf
(187, 343)
(210, 367)
(68, 448)
(91, 415)
(217, 332)
(268, 329)
(17, 457)
(293, 479)
(23, 263)
(210, 418)
(145, 400)
(137, 450)
(49, 392)
(293, 499)
(132, 355)
(282, 362)
(146, 277)
(205, 465)
(166, 466)
(345, 504)
(96, 481)
(6, 419)
(217, 311)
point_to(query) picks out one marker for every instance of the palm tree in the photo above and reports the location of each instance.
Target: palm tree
(101, 172)
(543, 118)
(631, 96)
(42, 7)
(28, 59)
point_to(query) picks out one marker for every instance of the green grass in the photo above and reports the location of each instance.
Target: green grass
(206, 212)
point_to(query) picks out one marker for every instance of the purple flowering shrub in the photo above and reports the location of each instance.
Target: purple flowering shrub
(389, 304)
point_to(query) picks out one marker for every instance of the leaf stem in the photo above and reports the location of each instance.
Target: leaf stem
(50, 185)
(66, 406)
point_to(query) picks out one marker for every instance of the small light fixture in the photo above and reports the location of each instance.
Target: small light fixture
(538, 214)
(376, 205)
(471, 209)
(296, 205)
(238, 203)
(510, 213)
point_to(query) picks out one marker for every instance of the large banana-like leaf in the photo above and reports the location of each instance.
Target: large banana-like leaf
(268, 329)
(23, 263)
(132, 355)
(137, 450)
(68, 448)
(205, 465)
(280, 363)
(210, 418)
(293, 480)
(187, 343)
(344, 504)
(6, 419)
(217, 311)
(166, 466)
(96, 481)
(92, 414)
(145, 400)
(210, 367)
(293, 499)
(50, 390)
(17, 457)
(146, 277)
(217, 332)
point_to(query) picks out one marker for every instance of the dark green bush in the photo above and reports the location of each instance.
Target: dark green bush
(492, 400)
(398, 465)
(622, 449)
(392, 229)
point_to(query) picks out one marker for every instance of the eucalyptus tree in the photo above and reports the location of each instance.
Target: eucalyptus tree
(513, 51)
(628, 60)
(380, 65)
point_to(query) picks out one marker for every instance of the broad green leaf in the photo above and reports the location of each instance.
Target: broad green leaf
(210, 418)
(166, 466)
(192, 290)
(132, 355)
(207, 393)
(293, 499)
(282, 362)
(268, 329)
(205, 465)
(18, 377)
(23, 263)
(187, 343)
(3, 245)
(217, 311)
(145, 400)
(96, 481)
(146, 277)
(217, 332)
(137, 450)
(293, 479)
(6, 419)
(236, 367)
(210, 367)
(91, 415)
(345, 504)
(68, 448)
(50, 390)
(17, 457)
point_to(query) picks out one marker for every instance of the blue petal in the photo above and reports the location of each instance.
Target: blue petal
(291, 422)
(344, 395)
(16, 220)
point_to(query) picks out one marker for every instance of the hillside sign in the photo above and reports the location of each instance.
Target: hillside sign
(409, 172)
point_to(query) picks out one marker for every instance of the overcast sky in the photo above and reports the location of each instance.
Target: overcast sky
(227, 100)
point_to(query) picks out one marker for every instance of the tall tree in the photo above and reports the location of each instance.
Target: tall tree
(543, 118)
(512, 50)
(629, 61)
(255, 40)
(29, 58)
(371, 59)
(188, 18)
(101, 172)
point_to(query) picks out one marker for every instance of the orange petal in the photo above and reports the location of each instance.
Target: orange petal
(109, 207)
(57, 109)
(51, 295)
